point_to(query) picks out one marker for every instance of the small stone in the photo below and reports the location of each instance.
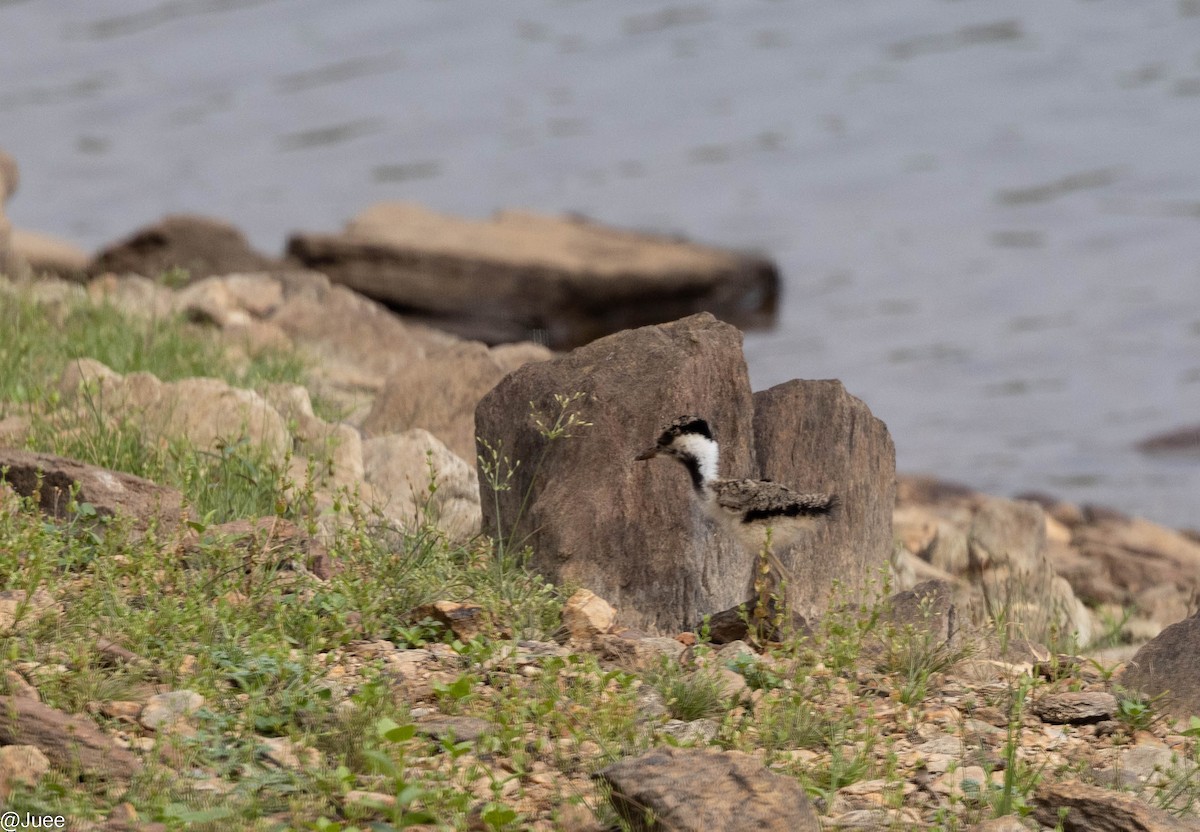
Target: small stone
(14, 602)
(1074, 708)
(21, 764)
(286, 754)
(369, 800)
(19, 687)
(166, 708)
(121, 709)
(586, 614)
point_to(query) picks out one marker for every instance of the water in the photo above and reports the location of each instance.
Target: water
(987, 215)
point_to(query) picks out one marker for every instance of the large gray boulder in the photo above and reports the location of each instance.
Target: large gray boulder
(520, 276)
(813, 436)
(1167, 666)
(629, 531)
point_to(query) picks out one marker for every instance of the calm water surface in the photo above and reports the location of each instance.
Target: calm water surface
(987, 214)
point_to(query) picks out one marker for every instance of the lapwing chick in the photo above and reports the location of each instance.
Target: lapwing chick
(748, 508)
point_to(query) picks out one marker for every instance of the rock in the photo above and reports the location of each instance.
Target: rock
(929, 607)
(440, 393)
(282, 752)
(461, 728)
(586, 615)
(24, 764)
(206, 412)
(465, 621)
(71, 743)
(47, 254)
(1074, 708)
(521, 277)
(10, 177)
(202, 246)
(16, 685)
(696, 790)
(165, 709)
(813, 436)
(400, 469)
(1136, 555)
(1166, 666)
(636, 652)
(337, 449)
(1008, 823)
(693, 732)
(357, 342)
(109, 492)
(133, 295)
(1008, 561)
(230, 300)
(629, 531)
(30, 609)
(1096, 809)
(1185, 440)
(8, 185)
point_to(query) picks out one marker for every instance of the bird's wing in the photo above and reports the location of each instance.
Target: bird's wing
(760, 499)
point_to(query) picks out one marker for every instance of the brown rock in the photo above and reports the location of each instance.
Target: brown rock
(358, 342)
(72, 743)
(399, 469)
(207, 412)
(586, 614)
(29, 608)
(1008, 560)
(517, 275)
(635, 651)
(440, 393)
(1166, 666)
(628, 531)
(1179, 441)
(10, 177)
(1074, 708)
(47, 254)
(695, 790)
(202, 246)
(20, 764)
(110, 492)
(1136, 555)
(1096, 809)
(813, 436)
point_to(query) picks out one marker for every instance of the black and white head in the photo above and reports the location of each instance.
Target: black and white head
(688, 439)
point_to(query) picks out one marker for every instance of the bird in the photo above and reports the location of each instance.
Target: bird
(758, 512)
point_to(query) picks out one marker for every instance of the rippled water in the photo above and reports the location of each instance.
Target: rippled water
(987, 215)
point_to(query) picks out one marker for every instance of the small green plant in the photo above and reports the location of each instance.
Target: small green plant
(689, 695)
(1134, 711)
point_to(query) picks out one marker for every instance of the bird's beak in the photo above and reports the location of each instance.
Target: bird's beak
(649, 453)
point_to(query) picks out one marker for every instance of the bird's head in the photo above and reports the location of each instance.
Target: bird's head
(680, 438)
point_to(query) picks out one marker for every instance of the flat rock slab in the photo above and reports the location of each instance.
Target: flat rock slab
(699, 790)
(110, 492)
(1167, 667)
(71, 743)
(1074, 708)
(1095, 809)
(520, 276)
